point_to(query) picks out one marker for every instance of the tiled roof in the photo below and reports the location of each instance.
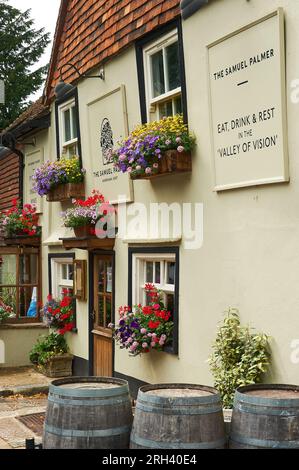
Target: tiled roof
(89, 32)
(37, 109)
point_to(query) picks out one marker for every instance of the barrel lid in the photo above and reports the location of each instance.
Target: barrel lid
(89, 387)
(269, 395)
(178, 393)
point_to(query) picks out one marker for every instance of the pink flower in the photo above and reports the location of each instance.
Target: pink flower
(122, 157)
(167, 142)
(149, 335)
(148, 170)
(144, 345)
(156, 307)
(143, 331)
(178, 140)
(129, 169)
(156, 165)
(153, 344)
(135, 344)
(180, 148)
(138, 167)
(130, 340)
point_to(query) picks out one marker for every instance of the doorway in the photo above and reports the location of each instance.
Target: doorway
(103, 314)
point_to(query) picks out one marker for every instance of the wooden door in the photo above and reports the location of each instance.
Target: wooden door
(103, 286)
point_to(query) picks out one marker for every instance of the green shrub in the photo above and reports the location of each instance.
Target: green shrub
(46, 347)
(239, 357)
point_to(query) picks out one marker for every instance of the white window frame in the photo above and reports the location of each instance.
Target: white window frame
(152, 103)
(139, 274)
(66, 145)
(57, 281)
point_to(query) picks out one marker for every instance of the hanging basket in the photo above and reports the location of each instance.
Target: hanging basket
(171, 162)
(66, 191)
(83, 231)
(23, 240)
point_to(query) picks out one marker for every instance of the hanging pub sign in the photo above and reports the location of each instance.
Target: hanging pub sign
(108, 124)
(248, 105)
(33, 160)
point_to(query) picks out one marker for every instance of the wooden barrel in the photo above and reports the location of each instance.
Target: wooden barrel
(178, 416)
(88, 413)
(265, 416)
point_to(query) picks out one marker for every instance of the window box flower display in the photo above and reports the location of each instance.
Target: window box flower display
(19, 225)
(6, 312)
(51, 357)
(60, 180)
(84, 216)
(155, 149)
(146, 328)
(60, 314)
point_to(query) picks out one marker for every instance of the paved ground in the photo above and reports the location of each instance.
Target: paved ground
(23, 383)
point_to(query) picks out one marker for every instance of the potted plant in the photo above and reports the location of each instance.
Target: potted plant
(240, 357)
(157, 148)
(83, 217)
(19, 224)
(6, 312)
(59, 314)
(146, 328)
(51, 357)
(60, 180)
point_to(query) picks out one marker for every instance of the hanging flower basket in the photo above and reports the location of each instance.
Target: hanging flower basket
(158, 148)
(19, 225)
(171, 161)
(84, 231)
(66, 191)
(23, 240)
(60, 180)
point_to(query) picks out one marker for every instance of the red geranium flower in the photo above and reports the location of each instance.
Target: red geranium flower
(153, 324)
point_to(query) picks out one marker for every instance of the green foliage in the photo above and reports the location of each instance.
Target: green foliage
(46, 347)
(239, 356)
(21, 46)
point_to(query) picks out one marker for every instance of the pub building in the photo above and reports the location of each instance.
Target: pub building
(227, 66)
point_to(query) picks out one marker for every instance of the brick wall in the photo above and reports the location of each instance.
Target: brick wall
(92, 31)
(9, 180)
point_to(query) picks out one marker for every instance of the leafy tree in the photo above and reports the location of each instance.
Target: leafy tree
(21, 46)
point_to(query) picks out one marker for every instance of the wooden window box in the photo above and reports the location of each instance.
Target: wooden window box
(23, 240)
(66, 191)
(88, 243)
(172, 162)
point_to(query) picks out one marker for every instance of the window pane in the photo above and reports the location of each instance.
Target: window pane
(101, 311)
(170, 304)
(108, 311)
(28, 302)
(67, 125)
(165, 109)
(8, 296)
(158, 273)
(8, 273)
(28, 269)
(178, 108)
(109, 277)
(158, 85)
(101, 276)
(170, 273)
(149, 271)
(173, 66)
(74, 122)
(70, 272)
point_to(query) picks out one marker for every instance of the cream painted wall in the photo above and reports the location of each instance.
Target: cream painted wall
(250, 255)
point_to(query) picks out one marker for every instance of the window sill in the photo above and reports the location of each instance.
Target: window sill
(22, 326)
(147, 241)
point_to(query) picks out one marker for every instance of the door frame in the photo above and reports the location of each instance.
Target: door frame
(91, 258)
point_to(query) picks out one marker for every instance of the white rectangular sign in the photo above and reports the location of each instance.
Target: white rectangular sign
(248, 105)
